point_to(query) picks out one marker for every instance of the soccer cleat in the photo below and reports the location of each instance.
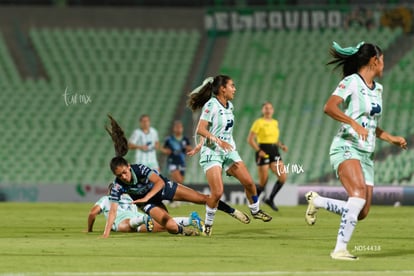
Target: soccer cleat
(189, 231)
(343, 255)
(310, 215)
(149, 223)
(240, 216)
(208, 229)
(196, 221)
(262, 215)
(271, 204)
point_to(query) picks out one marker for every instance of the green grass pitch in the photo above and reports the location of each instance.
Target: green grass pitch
(47, 239)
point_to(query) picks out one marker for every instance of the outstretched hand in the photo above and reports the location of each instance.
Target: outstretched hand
(194, 151)
(399, 141)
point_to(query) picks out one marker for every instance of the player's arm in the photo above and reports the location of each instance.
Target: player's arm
(197, 148)
(166, 150)
(159, 184)
(133, 143)
(96, 210)
(282, 146)
(111, 219)
(157, 145)
(251, 139)
(332, 110)
(395, 140)
(202, 129)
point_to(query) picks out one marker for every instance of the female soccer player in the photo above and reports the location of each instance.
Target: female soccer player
(264, 139)
(146, 143)
(129, 219)
(218, 150)
(352, 149)
(148, 188)
(176, 146)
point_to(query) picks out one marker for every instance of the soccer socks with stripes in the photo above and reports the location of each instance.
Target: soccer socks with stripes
(349, 220)
(210, 214)
(332, 205)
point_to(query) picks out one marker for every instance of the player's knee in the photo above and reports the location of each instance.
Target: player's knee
(216, 195)
(171, 226)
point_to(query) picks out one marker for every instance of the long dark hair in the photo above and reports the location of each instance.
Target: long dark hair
(120, 144)
(197, 99)
(352, 63)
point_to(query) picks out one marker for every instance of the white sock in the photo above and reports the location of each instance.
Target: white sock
(210, 214)
(349, 220)
(136, 221)
(254, 208)
(332, 205)
(184, 221)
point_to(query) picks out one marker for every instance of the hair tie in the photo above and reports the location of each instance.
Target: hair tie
(207, 80)
(349, 51)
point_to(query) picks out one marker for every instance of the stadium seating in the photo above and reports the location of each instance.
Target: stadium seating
(55, 127)
(288, 69)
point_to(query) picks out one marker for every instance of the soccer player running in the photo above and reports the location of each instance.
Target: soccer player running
(218, 149)
(352, 149)
(264, 139)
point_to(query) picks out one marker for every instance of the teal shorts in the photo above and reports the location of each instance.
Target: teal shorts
(342, 153)
(224, 161)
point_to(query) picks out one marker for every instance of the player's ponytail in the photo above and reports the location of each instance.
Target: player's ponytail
(351, 59)
(210, 86)
(120, 143)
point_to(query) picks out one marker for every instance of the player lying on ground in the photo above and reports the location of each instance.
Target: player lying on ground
(130, 219)
(148, 189)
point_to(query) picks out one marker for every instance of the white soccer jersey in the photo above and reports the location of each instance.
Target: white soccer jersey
(124, 204)
(149, 157)
(362, 104)
(221, 121)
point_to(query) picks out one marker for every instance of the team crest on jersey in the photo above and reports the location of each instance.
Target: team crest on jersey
(207, 111)
(342, 86)
(347, 154)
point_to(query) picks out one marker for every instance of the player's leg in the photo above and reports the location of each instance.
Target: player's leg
(184, 193)
(177, 176)
(278, 168)
(351, 175)
(124, 226)
(161, 216)
(215, 182)
(240, 172)
(156, 228)
(192, 220)
(364, 212)
(262, 171)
